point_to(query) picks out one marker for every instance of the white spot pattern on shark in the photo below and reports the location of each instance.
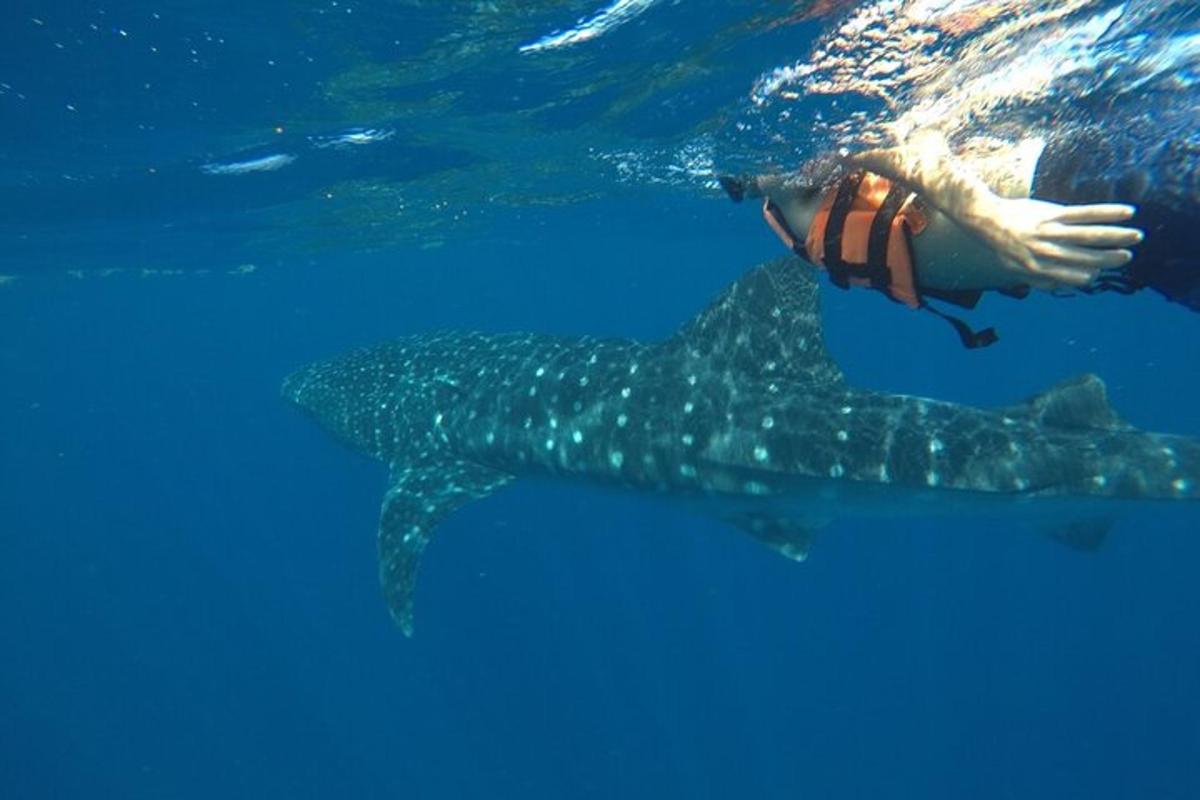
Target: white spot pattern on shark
(456, 416)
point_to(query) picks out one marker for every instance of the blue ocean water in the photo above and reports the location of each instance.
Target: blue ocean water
(188, 586)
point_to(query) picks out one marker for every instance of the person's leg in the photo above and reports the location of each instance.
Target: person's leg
(1083, 165)
(1167, 261)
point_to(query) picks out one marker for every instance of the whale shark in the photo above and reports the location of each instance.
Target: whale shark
(742, 413)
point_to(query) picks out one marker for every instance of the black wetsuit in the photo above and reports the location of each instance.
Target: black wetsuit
(1083, 165)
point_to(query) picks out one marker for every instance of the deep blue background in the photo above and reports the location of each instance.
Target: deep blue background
(189, 601)
(188, 597)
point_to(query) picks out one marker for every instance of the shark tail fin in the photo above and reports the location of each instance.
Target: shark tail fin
(419, 498)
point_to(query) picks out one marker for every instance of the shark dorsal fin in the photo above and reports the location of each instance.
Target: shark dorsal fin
(1079, 402)
(767, 322)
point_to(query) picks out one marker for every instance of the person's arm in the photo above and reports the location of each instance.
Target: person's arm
(1047, 243)
(753, 186)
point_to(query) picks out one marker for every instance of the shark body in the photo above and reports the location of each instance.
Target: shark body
(742, 411)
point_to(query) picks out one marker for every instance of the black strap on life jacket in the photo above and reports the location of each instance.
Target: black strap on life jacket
(971, 339)
(963, 298)
(968, 299)
(840, 272)
(881, 226)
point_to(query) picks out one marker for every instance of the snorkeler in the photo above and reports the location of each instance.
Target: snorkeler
(918, 223)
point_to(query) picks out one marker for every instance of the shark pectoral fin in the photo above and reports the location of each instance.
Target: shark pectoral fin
(1084, 535)
(788, 537)
(419, 499)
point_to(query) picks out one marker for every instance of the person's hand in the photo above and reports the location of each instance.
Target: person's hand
(1059, 244)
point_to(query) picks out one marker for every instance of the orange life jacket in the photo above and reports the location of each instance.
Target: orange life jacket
(862, 235)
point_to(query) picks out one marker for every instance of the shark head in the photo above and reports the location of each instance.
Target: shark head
(742, 411)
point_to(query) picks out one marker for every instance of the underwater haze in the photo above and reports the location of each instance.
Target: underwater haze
(201, 197)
